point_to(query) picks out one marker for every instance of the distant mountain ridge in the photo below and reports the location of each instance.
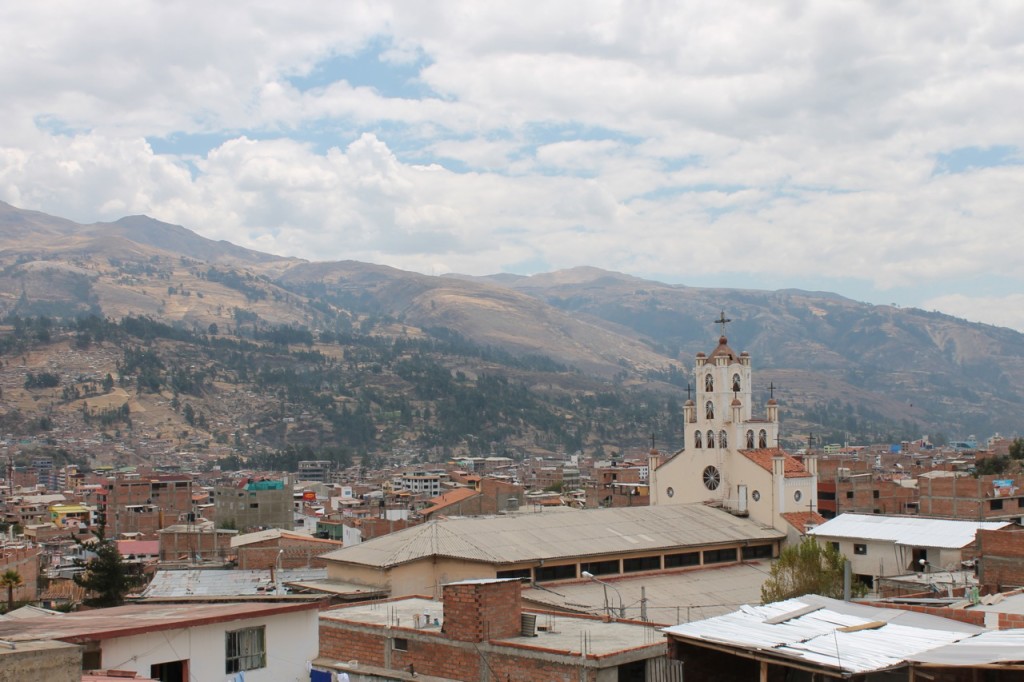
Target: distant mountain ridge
(826, 355)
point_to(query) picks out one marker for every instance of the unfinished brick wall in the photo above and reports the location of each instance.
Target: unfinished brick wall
(478, 611)
(1001, 555)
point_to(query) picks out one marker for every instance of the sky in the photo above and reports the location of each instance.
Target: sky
(871, 149)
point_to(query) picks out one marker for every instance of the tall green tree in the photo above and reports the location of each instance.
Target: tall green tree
(106, 575)
(807, 568)
(11, 579)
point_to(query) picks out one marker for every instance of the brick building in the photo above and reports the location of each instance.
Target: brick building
(144, 504)
(985, 498)
(479, 630)
(195, 543)
(1000, 559)
(25, 560)
(866, 493)
(281, 549)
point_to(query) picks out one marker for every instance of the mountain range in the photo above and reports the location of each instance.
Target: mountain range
(839, 367)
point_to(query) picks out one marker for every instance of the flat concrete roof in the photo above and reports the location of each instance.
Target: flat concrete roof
(555, 632)
(672, 596)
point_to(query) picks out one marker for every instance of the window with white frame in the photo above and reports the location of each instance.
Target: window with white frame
(245, 649)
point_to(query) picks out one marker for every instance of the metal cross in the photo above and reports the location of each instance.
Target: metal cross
(723, 320)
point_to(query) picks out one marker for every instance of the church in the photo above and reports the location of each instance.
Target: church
(731, 459)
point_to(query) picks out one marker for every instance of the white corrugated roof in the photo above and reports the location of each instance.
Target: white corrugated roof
(813, 633)
(527, 537)
(905, 530)
(987, 648)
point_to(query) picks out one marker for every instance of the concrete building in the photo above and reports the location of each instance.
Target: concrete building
(731, 458)
(195, 543)
(553, 545)
(182, 642)
(879, 545)
(479, 631)
(50, 661)
(254, 504)
(962, 496)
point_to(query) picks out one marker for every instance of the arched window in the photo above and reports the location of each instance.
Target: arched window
(723, 442)
(697, 439)
(736, 382)
(750, 439)
(711, 439)
(762, 439)
(709, 410)
(709, 383)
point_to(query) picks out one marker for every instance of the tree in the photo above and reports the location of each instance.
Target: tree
(10, 579)
(1017, 448)
(807, 568)
(106, 575)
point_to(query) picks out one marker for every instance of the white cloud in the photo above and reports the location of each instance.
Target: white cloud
(710, 139)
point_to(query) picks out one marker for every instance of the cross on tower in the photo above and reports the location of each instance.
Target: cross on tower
(771, 389)
(652, 441)
(723, 320)
(689, 391)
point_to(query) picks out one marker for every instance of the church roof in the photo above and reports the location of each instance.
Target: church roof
(723, 350)
(793, 468)
(800, 520)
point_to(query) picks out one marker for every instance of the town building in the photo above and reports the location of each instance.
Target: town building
(479, 630)
(280, 548)
(731, 458)
(131, 503)
(254, 504)
(553, 545)
(182, 642)
(811, 637)
(878, 545)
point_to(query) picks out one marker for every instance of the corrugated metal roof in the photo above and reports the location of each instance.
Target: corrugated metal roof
(545, 535)
(814, 633)
(218, 583)
(987, 648)
(905, 530)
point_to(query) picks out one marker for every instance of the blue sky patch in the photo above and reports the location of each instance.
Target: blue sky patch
(367, 68)
(971, 158)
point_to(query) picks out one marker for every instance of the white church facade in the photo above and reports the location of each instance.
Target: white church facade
(731, 459)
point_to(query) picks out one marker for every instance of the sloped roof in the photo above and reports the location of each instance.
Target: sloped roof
(792, 467)
(556, 534)
(820, 631)
(991, 648)
(800, 520)
(447, 499)
(905, 530)
(723, 350)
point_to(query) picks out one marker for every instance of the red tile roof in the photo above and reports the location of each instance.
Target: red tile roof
(792, 467)
(800, 520)
(447, 499)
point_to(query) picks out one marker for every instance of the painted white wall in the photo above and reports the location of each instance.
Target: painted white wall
(292, 639)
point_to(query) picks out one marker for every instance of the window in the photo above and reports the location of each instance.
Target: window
(860, 549)
(712, 478)
(762, 439)
(400, 644)
(647, 563)
(709, 410)
(600, 567)
(835, 546)
(697, 440)
(995, 504)
(757, 552)
(709, 383)
(683, 559)
(735, 383)
(545, 573)
(826, 495)
(849, 494)
(875, 494)
(723, 441)
(718, 556)
(246, 649)
(514, 573)
(750, 439)
(711, 439)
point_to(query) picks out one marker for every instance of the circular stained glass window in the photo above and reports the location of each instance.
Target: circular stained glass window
(756, 495)
(797, 495)
(670, 491)
(712, 479)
